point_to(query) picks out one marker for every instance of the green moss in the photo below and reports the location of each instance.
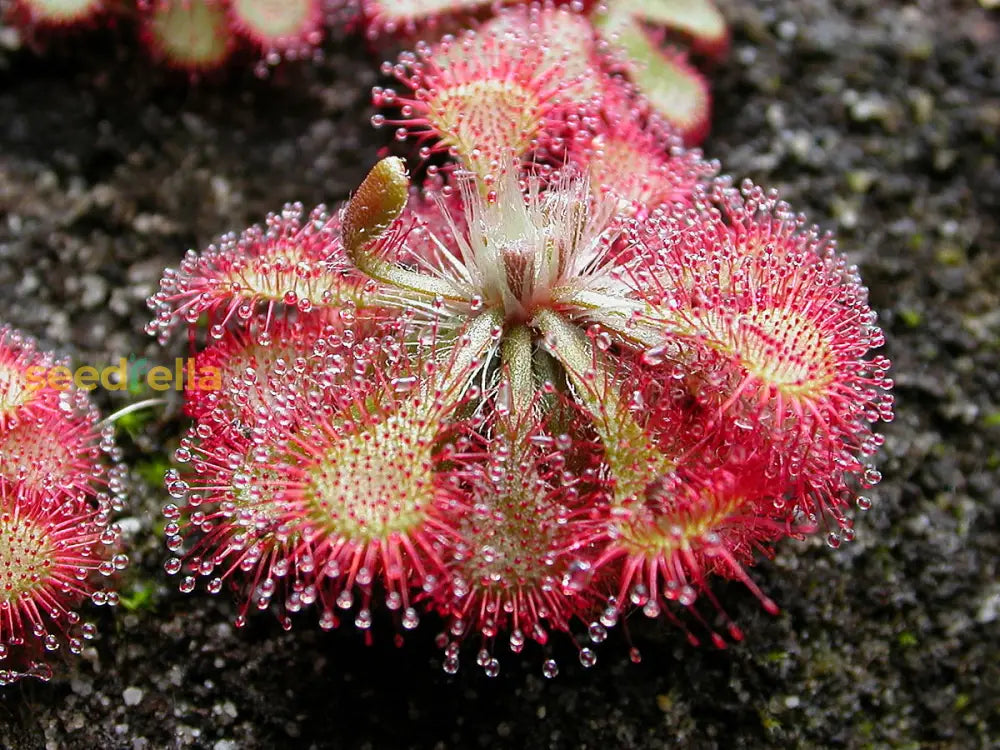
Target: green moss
(769, 723)
(860, 180)
(950, 255)
(158, 528)
(139, 598)
(911, 318)
(152, 470)
(134, 422)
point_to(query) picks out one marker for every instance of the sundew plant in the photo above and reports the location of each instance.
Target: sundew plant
(571, 374)
(60, 487)
(546, 369)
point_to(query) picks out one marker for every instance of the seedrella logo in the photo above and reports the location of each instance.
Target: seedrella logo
(132, 374)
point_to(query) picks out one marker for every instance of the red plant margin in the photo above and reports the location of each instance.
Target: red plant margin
(57, 499)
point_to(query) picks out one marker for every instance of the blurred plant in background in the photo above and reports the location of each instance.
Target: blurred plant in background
(648, 44)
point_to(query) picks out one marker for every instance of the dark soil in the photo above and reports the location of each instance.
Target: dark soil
(879, 120)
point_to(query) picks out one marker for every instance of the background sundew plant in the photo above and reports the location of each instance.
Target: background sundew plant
(541, 413)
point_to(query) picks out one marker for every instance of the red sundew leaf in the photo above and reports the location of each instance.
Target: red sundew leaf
(772, 329)
(487, 97)
(388, 18)
(25, 389)
(279, 25)
(329, 495)
(55, 12)
(54, 454)
(385, 18)
(51, 555)
(236, 379)
(57, 495)
(295, 264)
(526, 509)
(50, 436)
(699, 20)
(696, 523)
(675, 90)
(566, 37)
(638, 159)
(191, 35)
